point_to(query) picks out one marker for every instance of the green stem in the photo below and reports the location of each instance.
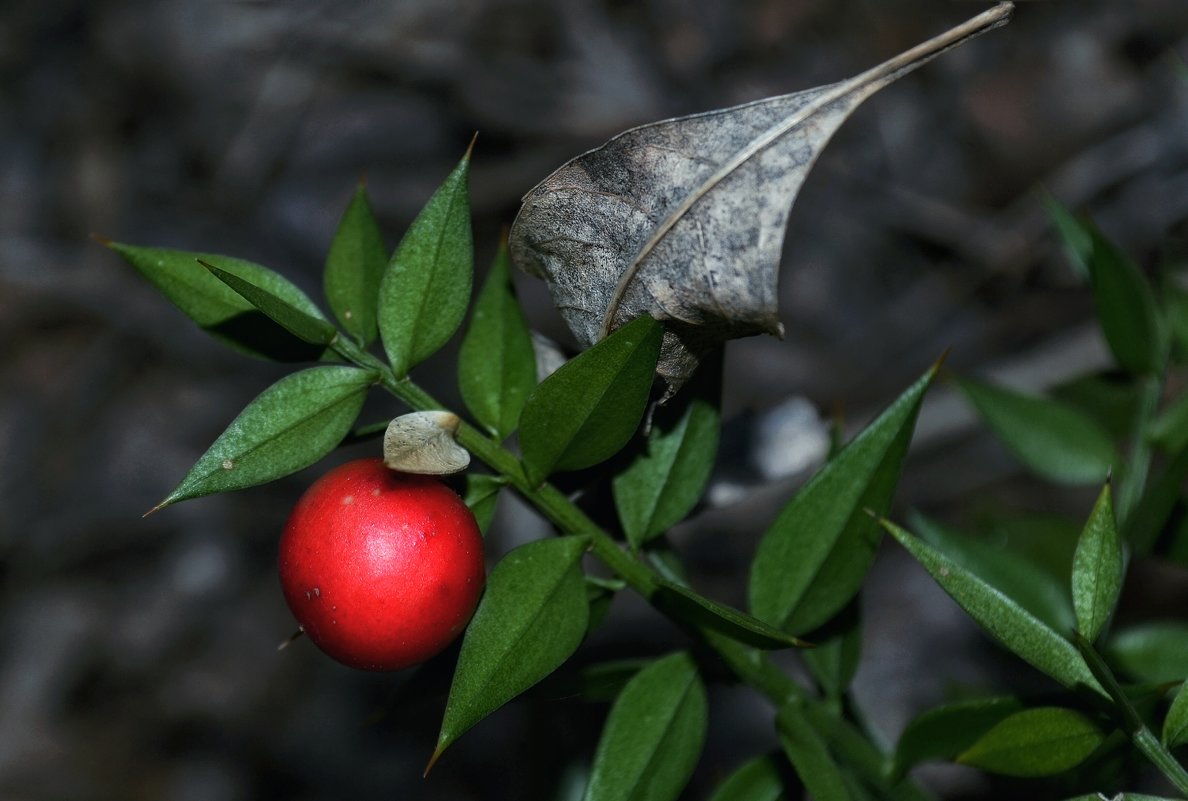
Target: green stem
(1161, 758)
(1134, 478)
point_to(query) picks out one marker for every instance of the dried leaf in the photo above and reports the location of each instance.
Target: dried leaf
(684, 219)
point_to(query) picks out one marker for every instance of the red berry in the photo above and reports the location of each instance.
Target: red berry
(381, 569)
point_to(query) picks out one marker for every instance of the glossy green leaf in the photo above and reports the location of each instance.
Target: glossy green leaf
(653, 736)
(1035, 742)
(1020, 631)
(1125, 308)
(1152, 652)
(756, 780)
(354, 267)
(684, 604)
(290, 425)
(834, 660)
(1053, 439)
(497, 366)
(1097, 568)
(813, 558)
(588, 409)
(425, 288)
(810, 757)
(482, 492)
(1012, 573)
(946, 731)
(216, 307)
(1175, 725)
(1075, 235)
(306, 327)
(531, 618)
(665, 482)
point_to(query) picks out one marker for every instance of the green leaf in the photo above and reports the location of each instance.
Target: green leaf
(531, 619)
(586, 411)
(600, 593)
(1113, 399)
(426, 287)
(653, 736)
(806, 750)
(1035, 742)
(354, 267)
(756, 780)
(1125, 308)
(1175, 725)
(835, 659)
(813, 558)
(1097, 568)
(496, 366)
(1154, 652)
(1075, 236)
(482, 491)
(1020, 631)
(290, 425)
(308, 328)
(1169, 431)
(1013, 574)
(664, 482)
(684, 604)
(1147, 522)
(1053, 439)
(216, 307)
(604, 681)
(946, 731)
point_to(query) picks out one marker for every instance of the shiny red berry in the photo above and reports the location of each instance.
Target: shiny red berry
(381, 569)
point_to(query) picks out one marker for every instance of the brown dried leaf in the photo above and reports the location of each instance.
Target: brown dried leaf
(684, 219)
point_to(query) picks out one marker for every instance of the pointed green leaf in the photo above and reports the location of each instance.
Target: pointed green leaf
(665, 482)
(1097, 568)
(426, 286)
(756, 780)
(813, 558)
(810, 757)
(354, 267)
(834, 660)
(946, 731)
(1175, 725)
(482, 491)
(290, 425)
(1017, 629)
(586, 411)
(531, 619)
(497, 366)
(1053, 439)
(1035, 742)
(308, 328)
(216, 307)
(684, 604)
(653, 735)
(1075, 235)
(1125, 308)
(1154, 652)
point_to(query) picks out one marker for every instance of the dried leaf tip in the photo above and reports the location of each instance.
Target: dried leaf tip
(101, 239)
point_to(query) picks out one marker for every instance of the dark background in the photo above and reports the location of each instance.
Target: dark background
(137, 657)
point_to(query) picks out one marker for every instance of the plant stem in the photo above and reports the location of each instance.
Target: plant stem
(1134, 478)
(1161, 758)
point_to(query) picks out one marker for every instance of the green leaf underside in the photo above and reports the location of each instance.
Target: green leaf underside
(1097, 568)
(588, 409)
(756, 780)
(685, 604)
(1125, 308)
(289, 426)
(216, 307)
(1035, 742)
(496, 365)
(1175, 725)
(810, 757)
(532, 617)
(306, 327)
(665, 482)
(945, 732)
(653, 735)
(1053, 439)
(813, 558)
(1015, 627)
(1153, 652)
(425, 288)
(482, 493)
(354, 268)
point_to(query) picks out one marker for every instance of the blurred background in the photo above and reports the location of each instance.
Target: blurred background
(138, 656)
